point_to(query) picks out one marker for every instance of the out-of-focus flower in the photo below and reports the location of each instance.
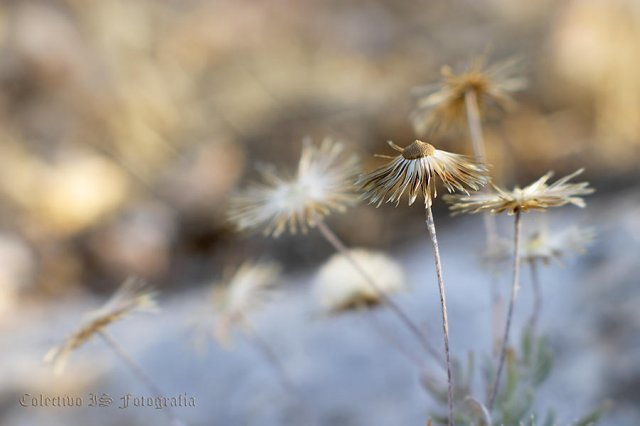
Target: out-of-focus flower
(322, 185)
(340, 287)
(537, 196)
(244, 293)
(414, 170)
(442, 105)
(545, 246)
(133, 296)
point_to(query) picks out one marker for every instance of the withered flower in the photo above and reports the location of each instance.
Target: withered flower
(537, 196)
(133, 296)
(339, 287)
(545, 246)
(414, 171)
(245, 292)
(323, 184)
(441, 105)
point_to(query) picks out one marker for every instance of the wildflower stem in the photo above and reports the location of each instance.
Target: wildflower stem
(514, 293)
(490, 226)
(443, 303)
(475, 125)
(272, 358)
(138, 371)
(341, 248)
(537, 296)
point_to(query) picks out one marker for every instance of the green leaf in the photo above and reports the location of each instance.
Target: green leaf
(593, 417)
(544, 363)
(527, 346)
(550, 420)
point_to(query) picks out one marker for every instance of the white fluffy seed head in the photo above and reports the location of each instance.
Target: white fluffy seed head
(340, 287)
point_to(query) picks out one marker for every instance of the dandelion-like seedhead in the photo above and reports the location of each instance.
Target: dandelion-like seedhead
(442, 105)
(339, 287)
(244, 293)
(538, 196)
(323, 184)
(133, 296)
(545, 246)
(413, 171)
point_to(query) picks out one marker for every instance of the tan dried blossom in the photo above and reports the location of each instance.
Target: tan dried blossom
(323, 184)
(246, 291)
(537, 196)
(133, 296)
(340, 287)
(413, 171)
(545, 246)
(441, 105)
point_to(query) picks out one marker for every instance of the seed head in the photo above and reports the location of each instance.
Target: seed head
(537, 196)
(545, 246)
(339, 287)
(133, 296)
(323, 184)
(245, 292)
(441, 105)
(413, 171)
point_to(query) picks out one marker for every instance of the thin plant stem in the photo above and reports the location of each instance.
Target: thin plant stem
(272, 359)
(512, 301)
(393, 340)
(138, 371)
(475, 124)
(490, 226)
(537, 296)
(341, 248)
(443, 303)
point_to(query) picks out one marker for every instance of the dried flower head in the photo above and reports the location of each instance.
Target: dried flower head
(340, 287)
(442, 105)
(537, 196)
(244, 293)
(133, 296)
(414, 169)
(323, 184)
(545, 246)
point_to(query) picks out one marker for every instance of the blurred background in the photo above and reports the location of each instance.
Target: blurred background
(126, 125)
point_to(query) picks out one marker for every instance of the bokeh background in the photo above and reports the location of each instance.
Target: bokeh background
(126, 125)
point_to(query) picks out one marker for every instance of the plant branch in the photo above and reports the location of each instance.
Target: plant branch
(341, 248)
(490, 226)
(445, 322)
(138, 371)
(514, 294)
